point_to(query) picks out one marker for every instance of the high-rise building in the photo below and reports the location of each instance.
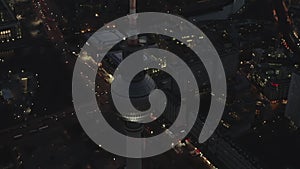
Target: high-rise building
(272, 75)
(293, 107)
(10, 29)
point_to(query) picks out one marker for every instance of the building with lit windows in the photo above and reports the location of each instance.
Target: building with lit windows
(272, 72)
(10, 29)
(273, 87)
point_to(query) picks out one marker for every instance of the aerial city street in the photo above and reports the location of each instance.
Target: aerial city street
(258, 42)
